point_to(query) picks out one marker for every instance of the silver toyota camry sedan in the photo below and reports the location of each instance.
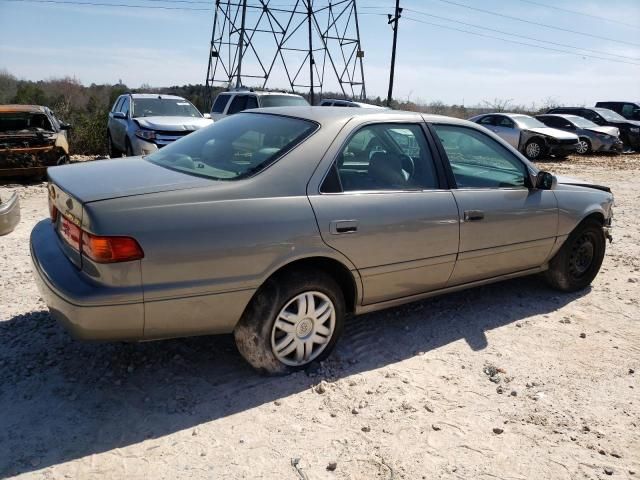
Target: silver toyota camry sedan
(276, 224)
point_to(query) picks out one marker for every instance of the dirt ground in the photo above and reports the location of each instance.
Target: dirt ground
(508, 381)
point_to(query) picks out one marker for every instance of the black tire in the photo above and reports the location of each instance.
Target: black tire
(585, 148)
(129, 149)
(112, 150)
(578, 261)
(254, 330)
(534, 149)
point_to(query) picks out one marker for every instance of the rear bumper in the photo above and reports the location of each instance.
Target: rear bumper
(90, 311)
(9, 214)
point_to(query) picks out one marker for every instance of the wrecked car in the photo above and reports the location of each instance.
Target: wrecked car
(593, 138)
(530, 136)
(31, 139)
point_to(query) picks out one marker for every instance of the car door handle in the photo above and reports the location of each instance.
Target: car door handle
(473, 215)
(338, 227)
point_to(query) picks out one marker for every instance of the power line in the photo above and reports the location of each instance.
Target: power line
(448, 27)
(552, 27)
(519, 36)
(576, 12)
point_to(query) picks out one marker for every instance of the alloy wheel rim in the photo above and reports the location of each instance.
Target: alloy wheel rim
(303, 328)
(582, 147)
(582, 255)
(533, 150)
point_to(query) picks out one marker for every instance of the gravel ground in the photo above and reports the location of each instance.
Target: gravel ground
(508, 381)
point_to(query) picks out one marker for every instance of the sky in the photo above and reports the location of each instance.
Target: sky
(105, 44)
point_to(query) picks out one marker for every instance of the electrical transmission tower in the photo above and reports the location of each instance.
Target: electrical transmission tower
(309, 45)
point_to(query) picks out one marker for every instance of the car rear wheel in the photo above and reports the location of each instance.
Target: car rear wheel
(112, 150)
(584, 146)
(291, 322)
(578, 262)
(534, 149)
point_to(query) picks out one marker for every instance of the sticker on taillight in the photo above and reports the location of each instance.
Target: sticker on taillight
(70, 232)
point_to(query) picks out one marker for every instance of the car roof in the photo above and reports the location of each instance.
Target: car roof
(260, 93)
(566, 116)
(155, 95)
(22, 109)
(324, 115)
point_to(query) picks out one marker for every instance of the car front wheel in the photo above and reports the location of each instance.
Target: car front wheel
(578, 261)
(292, 321)
(112, 150)
(584, 146)
(534, 149)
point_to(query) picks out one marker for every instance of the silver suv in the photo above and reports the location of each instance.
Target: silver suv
(237, 100)
(142, 123)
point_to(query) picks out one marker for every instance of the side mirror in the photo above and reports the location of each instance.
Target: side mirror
(65, 126)
(207, 116)
(545, 181)
(119, 115)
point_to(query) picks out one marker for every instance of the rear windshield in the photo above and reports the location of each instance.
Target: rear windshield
(236, 147)
(17, 121)
(163, 107)
(528, 122)
(581, 122)
(610, 115)
(282, 101)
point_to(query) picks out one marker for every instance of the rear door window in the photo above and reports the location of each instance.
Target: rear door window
(488, 120)
(252, 102)
(238, 104)
(382, 157)
(220, 103)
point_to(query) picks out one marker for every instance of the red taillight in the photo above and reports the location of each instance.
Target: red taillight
(110, 249)
(70, 232)
(98, 248)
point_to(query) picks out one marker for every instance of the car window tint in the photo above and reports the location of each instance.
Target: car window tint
(505, 122)
(237, 104)
(118, 104)
(252, 102)
(220, 103)
(478, 161)
(386, 157)
(627, 110)
(235, 147)
(488, 120)
(124, 108)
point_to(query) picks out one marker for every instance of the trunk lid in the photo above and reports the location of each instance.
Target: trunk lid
(106, 179)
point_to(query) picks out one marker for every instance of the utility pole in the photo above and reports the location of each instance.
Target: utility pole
(241, 43)
(393, 21)
(311, 61)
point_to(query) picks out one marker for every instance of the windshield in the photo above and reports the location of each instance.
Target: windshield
(581, 122)
(163, 107)
(528, 122)
(610, 115)
(235, 147)
(282, 101)
(16, 121)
